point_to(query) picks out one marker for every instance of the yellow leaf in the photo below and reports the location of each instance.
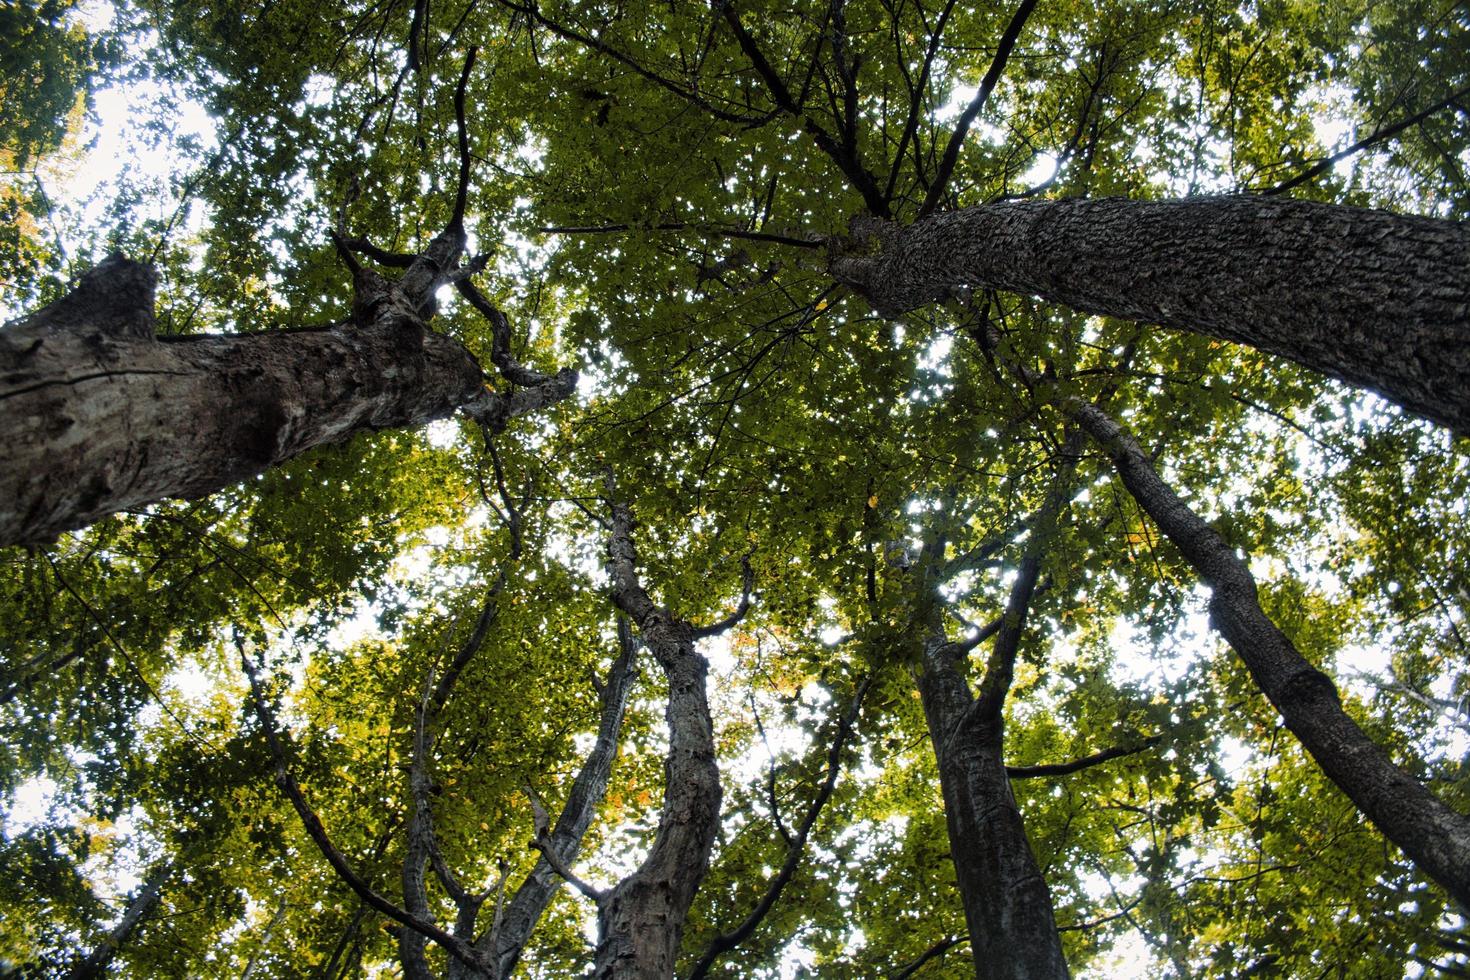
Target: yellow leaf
(873, 501)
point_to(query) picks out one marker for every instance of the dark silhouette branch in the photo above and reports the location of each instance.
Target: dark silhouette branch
(750, 236)
(843, 155)
(747, 580)
(533, 11)
(929, 955)
(1378, 135)
(1086, 762)
(456, 947)
(982, 95)
(916, 101)
(461, 193)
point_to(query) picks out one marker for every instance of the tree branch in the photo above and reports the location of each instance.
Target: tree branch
(751, 236)
(982, 95)
(932, 953)
(1378, 135)
(747, 580)
(845, 157)
(1000, 669)
(461, 193)
(1086, 762)
(456, 947)
(916, 100)
(532, 10)
(796, 846)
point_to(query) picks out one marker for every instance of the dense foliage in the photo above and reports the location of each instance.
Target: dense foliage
(657, 209)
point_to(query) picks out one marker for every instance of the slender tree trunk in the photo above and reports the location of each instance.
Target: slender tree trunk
(95, 963)
(101, 416)
(1008, 907)
(506, 942)
(1435, 837)
(641, 921)
(1378, 300)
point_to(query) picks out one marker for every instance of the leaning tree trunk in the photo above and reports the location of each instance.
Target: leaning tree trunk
(1375, 299)
(1434, 836)
(102, 416)
(94, 964)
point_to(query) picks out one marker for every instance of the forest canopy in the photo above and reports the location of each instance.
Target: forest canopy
(767, 488)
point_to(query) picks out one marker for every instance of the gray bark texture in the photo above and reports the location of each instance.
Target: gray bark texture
(1435, 837)
(1378, 300)
(101, 416)
(1008, 907)
(641, 921)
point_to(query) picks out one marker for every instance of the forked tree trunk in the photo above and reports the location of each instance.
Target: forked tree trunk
(100, 415)
(1378, 300)
(1008, 907)
(640, 922)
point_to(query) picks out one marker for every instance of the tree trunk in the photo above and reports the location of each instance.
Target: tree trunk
(101, 416)
(1378, 300)
(1435, 837)
(1008, 907)
(641, 921)
(95, 963)
(588, 788)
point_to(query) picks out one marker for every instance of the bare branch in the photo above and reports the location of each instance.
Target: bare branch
(1000, 668)
(1379, 135)
(461, 193)
(1086, 762)
(747, 580)
(982, 95)
(845, 156)
(456, 947)
(932, 953)
(916, 98)
(795, 847)
(531, 10)
(548, 852)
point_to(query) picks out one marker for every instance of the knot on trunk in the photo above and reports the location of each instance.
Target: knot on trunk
(114, 297)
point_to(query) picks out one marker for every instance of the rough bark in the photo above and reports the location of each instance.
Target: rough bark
(1008, 906)
(1435, 837)
(641, 921)
(1378, 300)
(102, 416)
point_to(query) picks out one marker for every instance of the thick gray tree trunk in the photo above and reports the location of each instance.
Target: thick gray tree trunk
(1378, 300)
(1435, 837)
(101, 416)
(1008, 907)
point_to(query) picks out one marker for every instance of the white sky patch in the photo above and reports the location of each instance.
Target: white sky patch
(1042, 169)
(28, 806)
